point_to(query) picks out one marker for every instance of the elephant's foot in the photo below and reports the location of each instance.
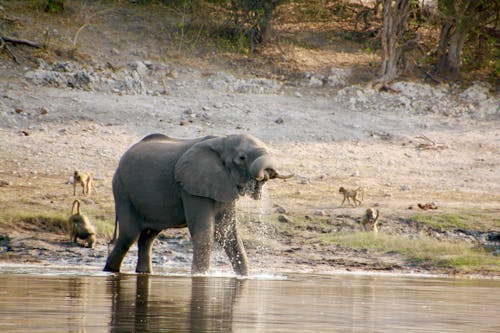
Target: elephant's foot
(108, 268)
(195, 271)
(143, 270)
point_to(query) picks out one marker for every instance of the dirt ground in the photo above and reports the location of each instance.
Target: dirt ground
(47, 131)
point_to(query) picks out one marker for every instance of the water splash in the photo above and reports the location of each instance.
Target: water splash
(254, 221)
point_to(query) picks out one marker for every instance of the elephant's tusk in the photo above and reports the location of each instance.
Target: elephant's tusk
(265, 177)
(284, 176)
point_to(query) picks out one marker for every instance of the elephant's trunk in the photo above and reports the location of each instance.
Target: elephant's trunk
(263, 169)
(258, 167)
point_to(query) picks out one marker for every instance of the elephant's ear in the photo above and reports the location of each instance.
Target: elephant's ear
(201, 171)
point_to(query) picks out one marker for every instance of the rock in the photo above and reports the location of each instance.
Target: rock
(338, 77)
(66, 67)
(493, 237)
(140, 67)
(476, 93)
(489, 107)
(280, 210)
(304, 180)
(405, 188)
(4, 183)
(133, 84)
(320, 212)
(46, 78)
(256, 86)
(62, 74)
(313, 80)
(80, 79)
(412, 97)
(284, 219)
(223, 81)
(279, 120)
(322, 177)
(88, 201)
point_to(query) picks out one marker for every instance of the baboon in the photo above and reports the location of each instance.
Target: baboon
(370, 219)
(85, 179)
(81, 227)
(426, 206)
(353, 194)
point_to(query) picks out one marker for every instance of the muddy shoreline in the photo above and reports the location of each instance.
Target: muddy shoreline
(420, 143)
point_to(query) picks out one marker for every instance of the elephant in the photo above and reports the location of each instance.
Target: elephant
(162, 182)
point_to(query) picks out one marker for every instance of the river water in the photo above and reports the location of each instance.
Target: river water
(41, 299)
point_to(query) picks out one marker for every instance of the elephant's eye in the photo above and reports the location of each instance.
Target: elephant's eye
(242, 157)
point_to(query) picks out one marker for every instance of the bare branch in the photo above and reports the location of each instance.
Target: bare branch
(20, 41)
(428, 144)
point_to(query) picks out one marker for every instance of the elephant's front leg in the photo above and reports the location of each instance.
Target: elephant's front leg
(199, 213)
(227, 235)
(145, 244)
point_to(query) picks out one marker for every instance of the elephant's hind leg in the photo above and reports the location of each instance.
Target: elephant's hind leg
(115, 258)
(145, 244)
(128, 223)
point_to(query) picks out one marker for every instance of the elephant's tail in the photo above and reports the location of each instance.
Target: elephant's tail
(112, 241)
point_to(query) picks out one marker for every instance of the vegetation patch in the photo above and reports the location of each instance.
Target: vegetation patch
(462, 220)
(37, 223)
(419, 250)
(50, 222)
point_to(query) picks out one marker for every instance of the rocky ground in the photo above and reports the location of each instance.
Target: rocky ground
(419, 143)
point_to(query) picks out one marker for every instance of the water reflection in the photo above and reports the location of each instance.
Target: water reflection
(212, 303)
(67, 302)
(51, 303)
(204, 305)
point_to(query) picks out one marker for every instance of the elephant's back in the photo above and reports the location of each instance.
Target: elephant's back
(158, 148)
(146, 177)
(158, 137)
(152, 159)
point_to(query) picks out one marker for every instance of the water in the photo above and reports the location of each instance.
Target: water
(38, 299)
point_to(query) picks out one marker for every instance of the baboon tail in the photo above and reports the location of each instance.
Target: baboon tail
(77, 203)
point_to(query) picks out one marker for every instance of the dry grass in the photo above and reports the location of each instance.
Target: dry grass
(28, 200)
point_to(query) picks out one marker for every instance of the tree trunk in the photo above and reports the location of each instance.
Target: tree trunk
(395, 13)
(450, 47)
(459, 18)
(454, 58)
(444, 38)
